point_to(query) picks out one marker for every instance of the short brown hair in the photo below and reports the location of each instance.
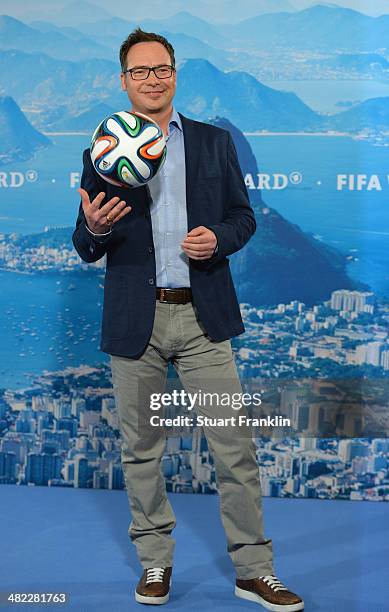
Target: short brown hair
(138, 36)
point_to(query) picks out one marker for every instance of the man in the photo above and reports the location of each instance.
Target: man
(169, 296)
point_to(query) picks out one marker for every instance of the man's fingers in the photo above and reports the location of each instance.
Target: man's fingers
(84, 198)
(84, 194)
(123, 212)
(193, 255)
(196, 231)
(96, 217)
(96, 203)
(201, 239)
(113, 209)
(98, 200)
(108, 206)
(203, 254)
(197, 247)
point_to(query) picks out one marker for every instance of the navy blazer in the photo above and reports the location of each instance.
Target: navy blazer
(216, 197)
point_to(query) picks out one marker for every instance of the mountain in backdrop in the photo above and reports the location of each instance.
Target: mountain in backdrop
(204, 91)
(246, 157)
(326, 28)
(191, 25)
(86, 121)
(375, 8)
(61, 12)
(321, 27)
(80, 10)
(227, 12)
(65, 95)
(329, 29)
(51, 84)
(234, 12)
(63, 88)
(281, 262)
(189, 47)
(65, 13)
(372, 114)
(116, 30)
(15, 34)
(19, 140)
(48, 27)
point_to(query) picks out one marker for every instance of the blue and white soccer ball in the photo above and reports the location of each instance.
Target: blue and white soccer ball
(128, 149)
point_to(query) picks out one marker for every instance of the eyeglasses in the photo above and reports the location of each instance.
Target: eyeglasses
(141, 73)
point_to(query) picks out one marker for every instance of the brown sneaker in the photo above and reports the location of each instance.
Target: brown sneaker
(270, 593)
(153, 587)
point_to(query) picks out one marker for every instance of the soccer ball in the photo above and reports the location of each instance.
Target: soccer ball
(128, 149)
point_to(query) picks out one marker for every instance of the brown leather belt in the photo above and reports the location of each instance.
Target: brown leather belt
(174, 296)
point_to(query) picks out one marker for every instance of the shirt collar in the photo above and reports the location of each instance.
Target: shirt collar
(175, 120)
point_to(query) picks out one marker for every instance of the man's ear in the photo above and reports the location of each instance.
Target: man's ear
(123, 81)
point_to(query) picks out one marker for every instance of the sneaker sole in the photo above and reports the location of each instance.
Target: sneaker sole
(266, 604)
(144, 599)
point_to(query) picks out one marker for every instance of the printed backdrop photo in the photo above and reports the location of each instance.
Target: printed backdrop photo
(304, 90)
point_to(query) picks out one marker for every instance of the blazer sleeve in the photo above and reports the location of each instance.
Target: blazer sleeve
(90, 248)
(239, 222)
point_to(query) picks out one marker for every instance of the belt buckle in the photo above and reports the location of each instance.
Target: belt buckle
(162, 296)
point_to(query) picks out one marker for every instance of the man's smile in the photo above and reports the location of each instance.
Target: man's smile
(154, 92)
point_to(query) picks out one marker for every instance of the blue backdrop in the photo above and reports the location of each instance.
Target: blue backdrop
(305, 94)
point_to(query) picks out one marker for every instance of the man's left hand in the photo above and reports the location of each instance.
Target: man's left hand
(200, 243)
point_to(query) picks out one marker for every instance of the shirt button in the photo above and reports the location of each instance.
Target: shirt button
(151, 281)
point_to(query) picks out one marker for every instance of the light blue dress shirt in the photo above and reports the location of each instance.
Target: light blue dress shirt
(168, 211)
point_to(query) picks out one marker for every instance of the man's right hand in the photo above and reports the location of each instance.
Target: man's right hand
(100, 220)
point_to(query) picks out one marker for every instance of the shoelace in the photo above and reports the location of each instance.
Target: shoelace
(273, 582)
(154, 574)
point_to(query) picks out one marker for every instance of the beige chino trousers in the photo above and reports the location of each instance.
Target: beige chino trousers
(205, 365)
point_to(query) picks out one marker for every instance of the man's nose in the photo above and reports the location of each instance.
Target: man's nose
(152, 78)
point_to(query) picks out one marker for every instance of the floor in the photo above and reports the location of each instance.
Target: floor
(334, 554)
